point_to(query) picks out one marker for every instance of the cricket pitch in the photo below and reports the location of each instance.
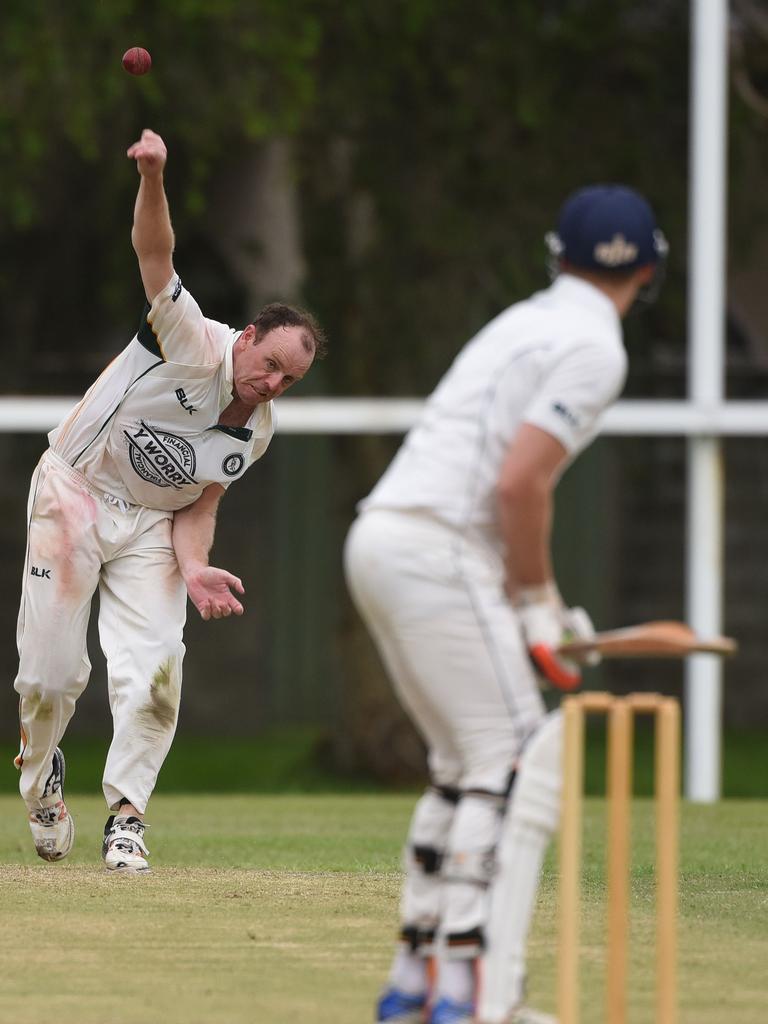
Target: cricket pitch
(272, 909)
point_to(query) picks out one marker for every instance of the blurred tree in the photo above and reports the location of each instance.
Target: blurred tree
(749, 51)
(227, 76)
(393, 165)
(444, 137)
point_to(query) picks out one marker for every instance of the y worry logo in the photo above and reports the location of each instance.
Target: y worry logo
(160, 458)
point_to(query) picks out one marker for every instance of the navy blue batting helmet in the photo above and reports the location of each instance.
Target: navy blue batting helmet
(607, 227)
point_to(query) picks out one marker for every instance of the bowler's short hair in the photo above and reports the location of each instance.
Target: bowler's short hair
(278, 314)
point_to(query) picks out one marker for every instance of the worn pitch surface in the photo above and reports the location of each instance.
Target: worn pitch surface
(282, 908)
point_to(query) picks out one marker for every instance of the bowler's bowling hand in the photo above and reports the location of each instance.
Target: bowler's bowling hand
(211, 592)
(149, 153)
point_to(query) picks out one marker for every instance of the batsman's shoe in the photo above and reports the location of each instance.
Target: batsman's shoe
(396, 1007)
(53, 830)
(124, 848)
(449, 1011)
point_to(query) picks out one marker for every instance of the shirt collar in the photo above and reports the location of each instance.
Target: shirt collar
(583, 293)
(229, 373)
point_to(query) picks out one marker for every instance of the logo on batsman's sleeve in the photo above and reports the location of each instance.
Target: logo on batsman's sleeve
(161, 458)
(562, 410)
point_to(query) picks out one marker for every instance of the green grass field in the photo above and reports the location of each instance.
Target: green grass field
(297, 759)
(270, 909)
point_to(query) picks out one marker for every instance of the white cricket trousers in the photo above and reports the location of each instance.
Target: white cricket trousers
(435, 605)
(78, 540)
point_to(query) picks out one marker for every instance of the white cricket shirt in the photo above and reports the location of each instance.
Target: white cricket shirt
(556, 361)
(147, 430)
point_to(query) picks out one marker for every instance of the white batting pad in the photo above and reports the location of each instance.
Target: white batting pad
(528, 827)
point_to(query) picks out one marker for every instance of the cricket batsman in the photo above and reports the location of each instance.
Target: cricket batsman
(124, 501)
(449, 564)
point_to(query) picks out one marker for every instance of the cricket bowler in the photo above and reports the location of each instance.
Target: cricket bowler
(124, 501)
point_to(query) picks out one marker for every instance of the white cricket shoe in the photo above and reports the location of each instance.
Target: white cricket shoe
(124, 848)
(52, 827)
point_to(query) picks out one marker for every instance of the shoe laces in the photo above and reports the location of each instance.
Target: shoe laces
(122, 842)
(125, 845)
(131, 824)
(46, 816)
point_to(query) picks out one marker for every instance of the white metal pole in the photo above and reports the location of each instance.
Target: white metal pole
(703, 675)
(704, 562)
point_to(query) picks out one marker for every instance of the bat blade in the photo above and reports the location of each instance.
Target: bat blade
(667, 639)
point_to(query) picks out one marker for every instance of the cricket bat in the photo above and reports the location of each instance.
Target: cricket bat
(650, 640)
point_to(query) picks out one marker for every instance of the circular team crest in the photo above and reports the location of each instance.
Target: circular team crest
(160, 458)
(232, 464)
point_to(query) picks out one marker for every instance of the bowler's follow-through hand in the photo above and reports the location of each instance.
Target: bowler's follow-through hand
(210, 591)
(546, 625)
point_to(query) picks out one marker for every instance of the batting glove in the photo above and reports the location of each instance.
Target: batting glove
(546, 624)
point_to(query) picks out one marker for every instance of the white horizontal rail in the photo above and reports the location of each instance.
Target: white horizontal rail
(396, 415)
(737, 418)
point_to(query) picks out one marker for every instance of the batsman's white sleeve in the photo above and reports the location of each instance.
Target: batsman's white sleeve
(576, 391)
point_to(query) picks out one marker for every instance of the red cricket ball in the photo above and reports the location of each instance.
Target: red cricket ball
(137, 61)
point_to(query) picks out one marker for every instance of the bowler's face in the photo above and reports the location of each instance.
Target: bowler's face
(264, 370)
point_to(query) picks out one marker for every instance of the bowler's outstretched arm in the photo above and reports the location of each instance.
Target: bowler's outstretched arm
(152, 234)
